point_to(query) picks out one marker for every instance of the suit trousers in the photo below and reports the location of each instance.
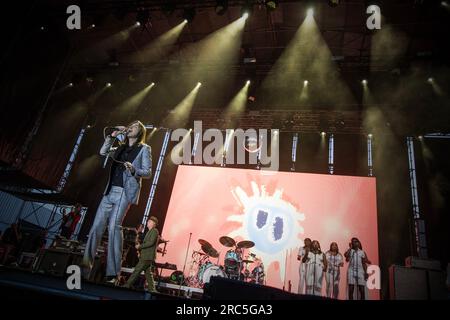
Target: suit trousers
(111, 211)
(147, 267)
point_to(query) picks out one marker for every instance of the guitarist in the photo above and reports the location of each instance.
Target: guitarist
(147, 256)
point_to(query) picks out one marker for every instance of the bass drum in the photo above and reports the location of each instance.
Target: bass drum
(208, 271)
(232, 259)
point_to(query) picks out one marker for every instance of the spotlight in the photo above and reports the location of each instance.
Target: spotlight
(221, 7)
(364, 82)
(152, 84)
(189, 14)
(323, 133)
(444, 4)
(420, 137)
(42, 28)
(248, 82)
(305, 83)
(271, 4)
(310, 12)
(108, 84)
(333, 3)
(93, 25)
(370, 135)
(137, 24)
(199, 84)
(430, 80)
(143, 17)
(71, 84)
(246, 9)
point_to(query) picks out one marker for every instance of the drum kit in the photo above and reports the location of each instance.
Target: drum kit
(236, 265)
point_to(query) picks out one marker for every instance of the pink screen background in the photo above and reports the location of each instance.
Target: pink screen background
(211, 202)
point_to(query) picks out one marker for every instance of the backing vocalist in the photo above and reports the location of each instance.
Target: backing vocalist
(132, 162)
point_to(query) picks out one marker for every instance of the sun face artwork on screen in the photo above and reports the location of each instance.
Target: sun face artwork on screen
(259, 219)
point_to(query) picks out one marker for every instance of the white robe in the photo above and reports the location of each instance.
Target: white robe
(314, 273)
(302, 272)
(333, 274)
(355, 271)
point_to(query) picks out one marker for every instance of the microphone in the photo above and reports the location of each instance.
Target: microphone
(117, 129)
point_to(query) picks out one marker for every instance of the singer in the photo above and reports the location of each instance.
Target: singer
(132, 162)
(317, 266)
(357, 270)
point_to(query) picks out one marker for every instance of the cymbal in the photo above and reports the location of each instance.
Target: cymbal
(206, 249)
(247, 244)
(210, 251)
(248, 261)
(227, 241)
(204, 243)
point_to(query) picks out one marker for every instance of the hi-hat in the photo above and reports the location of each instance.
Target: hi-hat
(248, 261)
(247, 244)
(227, 241)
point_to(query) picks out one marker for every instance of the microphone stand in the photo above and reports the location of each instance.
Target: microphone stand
(185, 260)
(334, 264)
(355, 274)
(314, 275)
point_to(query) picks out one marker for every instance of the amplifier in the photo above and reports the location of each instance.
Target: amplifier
(407, 283)
(420, 263)
(416, 284)
(54, 262)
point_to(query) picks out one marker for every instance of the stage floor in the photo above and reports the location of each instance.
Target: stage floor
(19, 284)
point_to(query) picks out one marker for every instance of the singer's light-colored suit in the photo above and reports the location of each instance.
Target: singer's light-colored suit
(114, 205)
(142, 164)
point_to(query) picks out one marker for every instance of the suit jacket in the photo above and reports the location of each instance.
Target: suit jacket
(142, 165)
(148, 247)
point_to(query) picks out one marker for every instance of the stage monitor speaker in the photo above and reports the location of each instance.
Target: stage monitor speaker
(407, 283)
(416, 262)
(54, 262)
